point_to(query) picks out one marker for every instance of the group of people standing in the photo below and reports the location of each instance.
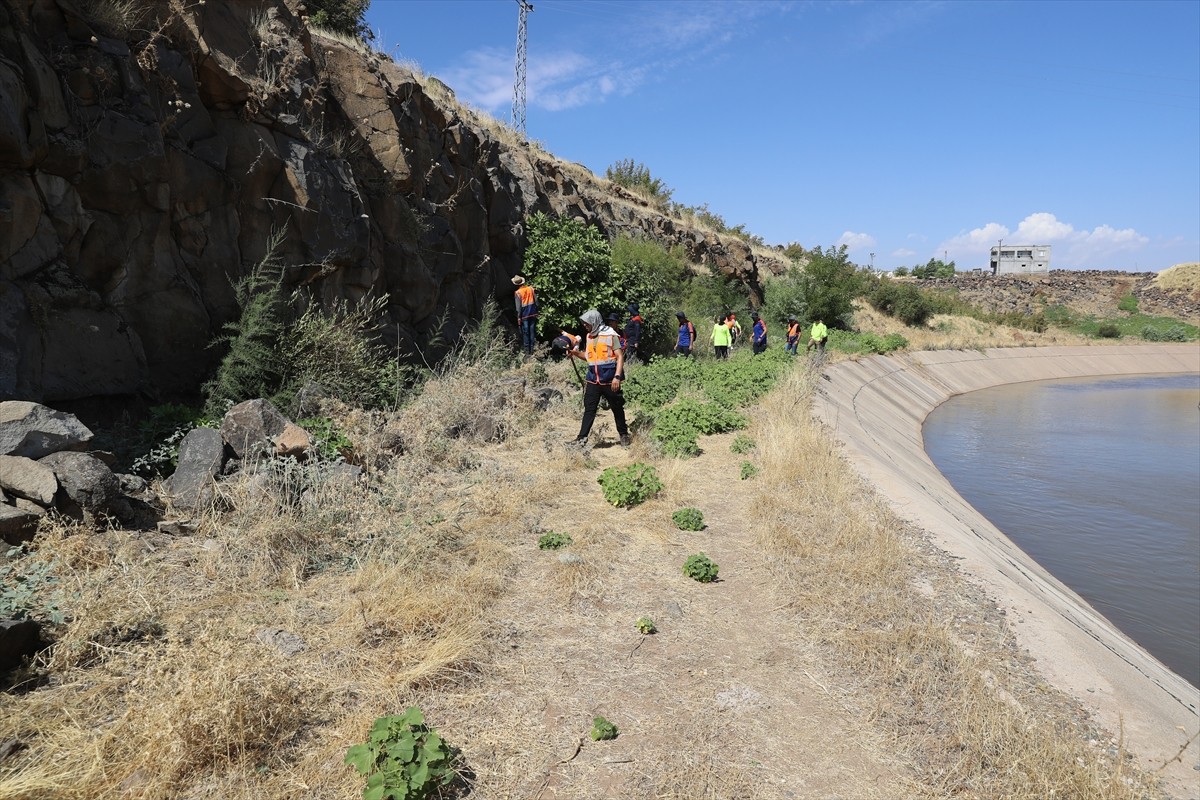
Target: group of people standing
(727, 330)
(605, 347)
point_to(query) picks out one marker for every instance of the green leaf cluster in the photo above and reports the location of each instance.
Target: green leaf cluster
(602, 730)
(747, 470)
(677, 426)
(866, 342)
(554, 541)
(569, 264)
(700, 567)
(688, 519)
(742, 444)
(629, 486)
(28, 589)
(344, 16)
(645, 626)
(404, 759)
(328, 440)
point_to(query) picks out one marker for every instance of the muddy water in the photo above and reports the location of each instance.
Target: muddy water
(1099, 481)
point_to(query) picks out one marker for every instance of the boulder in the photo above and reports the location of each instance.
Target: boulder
(293, 441)
(200, 456)
(251, 428)
(32, 430)
(18, 638)
(17, 525)
(26, 478)
(86, 485)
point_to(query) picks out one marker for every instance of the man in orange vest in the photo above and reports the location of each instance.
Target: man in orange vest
(527, 311)
(793, 335)
(605, 371)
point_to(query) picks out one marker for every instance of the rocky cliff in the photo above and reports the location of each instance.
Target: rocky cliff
(150, 151)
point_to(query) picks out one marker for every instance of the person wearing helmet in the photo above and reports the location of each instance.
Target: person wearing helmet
(527, 312)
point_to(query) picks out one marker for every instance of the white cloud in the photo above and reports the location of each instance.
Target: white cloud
(903, 252)
(856, 241)
(1071, 248)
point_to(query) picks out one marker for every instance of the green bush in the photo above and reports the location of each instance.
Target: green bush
(1108, 330)
(329, 442)
(829, 285)
(636, 176)
(742, 444)
(629, 486)
(700, 567)
(602, 730)
(405, 758)
(677, 427)
(554, 541)
(343, 16)
(1176, 333)
(688, 519)
(568, 263)
(903, 301)
(747, 470)
(645, 626)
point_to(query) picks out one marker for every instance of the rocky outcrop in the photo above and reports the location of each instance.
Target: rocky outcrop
(147, 162)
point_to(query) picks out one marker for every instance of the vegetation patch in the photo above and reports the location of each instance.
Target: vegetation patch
(747, 470)
(741, 444)
(645, 626)
(554, 541)
(603, 730)
(1144, 326)
(700, 567)
(688, 519)
(629, 486)
(405, 759)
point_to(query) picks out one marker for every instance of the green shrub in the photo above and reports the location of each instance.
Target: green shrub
(1176, 333)
(677, 426)
(688, 519)
(645, 626)
(344, 16)
(1108, 330)
(636, 176)
(1128, 304)
(900, 272)
(329, 442)
(625, 487)
(603, 730)
(405, 758)
(700, 567)
(904, 301)
(568, 262)
(742, 444)
(554, 541)
(28, 589)
(747, 470)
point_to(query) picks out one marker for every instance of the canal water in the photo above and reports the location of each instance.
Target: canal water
(1099, 481)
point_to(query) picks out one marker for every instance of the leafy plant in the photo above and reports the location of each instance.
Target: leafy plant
(405, 759)
(1108, 330)
(742, 444)
(688, 519)
(677, 426)
(635, 175)
(568, 263)
(748, 470)
(602, 730)
(700, 567)
(28, 589)
(1176, 333)
(554, 541)
(645, 626)
(328, 441)
(628, 486)
(904, 301)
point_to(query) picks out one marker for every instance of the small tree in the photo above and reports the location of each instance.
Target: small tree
(829, 285)
(570, 264)
(342, 16)
(635, 175)
(934, 268)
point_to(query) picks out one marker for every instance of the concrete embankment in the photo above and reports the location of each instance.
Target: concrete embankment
(876, 407)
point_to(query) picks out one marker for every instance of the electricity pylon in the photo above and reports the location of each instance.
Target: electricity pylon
(518, 104)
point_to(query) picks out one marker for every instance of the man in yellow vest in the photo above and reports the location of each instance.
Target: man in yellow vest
(817, 337)
(605, 371)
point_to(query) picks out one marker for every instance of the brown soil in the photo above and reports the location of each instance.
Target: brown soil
(727, 699)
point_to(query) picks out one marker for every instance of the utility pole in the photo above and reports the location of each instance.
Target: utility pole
(872, 262)
(518, 104)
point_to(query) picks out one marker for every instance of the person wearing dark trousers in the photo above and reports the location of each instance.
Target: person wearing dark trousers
(633, 333)
(687, 335)
(758, 334)
(527, 312)
(605, 371)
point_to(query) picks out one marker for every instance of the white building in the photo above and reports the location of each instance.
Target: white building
(1020, 259)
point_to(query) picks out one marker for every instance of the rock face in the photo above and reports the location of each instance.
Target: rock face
(143, 175)
(32, 430)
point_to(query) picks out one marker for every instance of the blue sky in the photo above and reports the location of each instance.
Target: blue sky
(910, 130)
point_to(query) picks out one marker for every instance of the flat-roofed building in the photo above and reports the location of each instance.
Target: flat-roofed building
(1020, 259)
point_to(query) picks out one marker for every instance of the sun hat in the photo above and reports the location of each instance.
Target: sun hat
(518, 280)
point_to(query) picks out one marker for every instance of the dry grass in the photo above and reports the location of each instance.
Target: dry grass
(972, 720)
(1181, 277)
(951, 332)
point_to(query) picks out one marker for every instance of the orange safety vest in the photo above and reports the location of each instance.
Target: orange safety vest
(527, 301)
(602, 352)
(793, 333)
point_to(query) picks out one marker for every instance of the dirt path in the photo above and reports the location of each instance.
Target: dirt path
(724, 701)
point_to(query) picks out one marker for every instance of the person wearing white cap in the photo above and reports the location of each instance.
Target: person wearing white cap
(527, 312)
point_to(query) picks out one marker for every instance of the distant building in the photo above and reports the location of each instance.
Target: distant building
(1020, 259)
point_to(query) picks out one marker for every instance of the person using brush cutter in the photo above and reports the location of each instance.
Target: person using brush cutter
(605, 371)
